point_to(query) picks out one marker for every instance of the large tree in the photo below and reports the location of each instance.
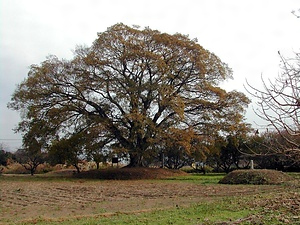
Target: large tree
(137, 83)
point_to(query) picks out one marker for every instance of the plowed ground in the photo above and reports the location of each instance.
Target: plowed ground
(27, 199)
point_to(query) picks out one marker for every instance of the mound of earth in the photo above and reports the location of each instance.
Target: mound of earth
(129, 173)
(255, 177)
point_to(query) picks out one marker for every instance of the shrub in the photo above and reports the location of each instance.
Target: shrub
(16, 168)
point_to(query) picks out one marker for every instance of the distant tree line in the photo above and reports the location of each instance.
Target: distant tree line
(223, 155)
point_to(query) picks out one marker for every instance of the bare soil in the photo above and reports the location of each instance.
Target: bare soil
(28, 199)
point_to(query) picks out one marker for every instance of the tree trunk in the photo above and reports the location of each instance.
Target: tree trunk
(29, 167)
(136, 160)
(32, 171)
(77, 168)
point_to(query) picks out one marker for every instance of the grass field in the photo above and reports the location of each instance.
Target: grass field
(192, 199)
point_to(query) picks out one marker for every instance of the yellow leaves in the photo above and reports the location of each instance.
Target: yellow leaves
(178, 106)
(180, 138)
(140, 125)
(136, 83)
(136, 116)
(172, 100)
(217, 91)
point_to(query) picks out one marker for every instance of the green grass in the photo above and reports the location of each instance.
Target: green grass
(206, 212)
(212, 178)
(295, 175)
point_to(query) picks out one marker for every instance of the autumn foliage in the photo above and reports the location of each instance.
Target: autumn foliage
(141, 89)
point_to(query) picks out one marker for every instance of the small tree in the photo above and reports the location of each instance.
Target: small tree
(232, 154)
(68, 150)
(5, 157)
(182, 147)
(97, 154)
(228, 152)
(96, 144)
(31, 157)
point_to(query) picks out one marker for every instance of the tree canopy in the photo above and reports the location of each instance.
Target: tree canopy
(138, 85)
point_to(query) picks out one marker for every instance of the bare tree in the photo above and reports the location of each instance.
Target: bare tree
(279, 103)
(296, 13)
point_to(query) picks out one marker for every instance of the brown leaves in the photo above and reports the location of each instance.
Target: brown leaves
(139, 84)
(284, 207)
(180, 138)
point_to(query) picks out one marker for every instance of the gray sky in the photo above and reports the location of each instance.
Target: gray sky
(246, 34)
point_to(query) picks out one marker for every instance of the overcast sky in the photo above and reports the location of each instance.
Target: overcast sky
(246, 34)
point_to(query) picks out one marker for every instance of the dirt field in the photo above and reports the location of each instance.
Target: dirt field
(22, 200)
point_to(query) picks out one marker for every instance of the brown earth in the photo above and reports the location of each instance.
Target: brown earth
(27, 199)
